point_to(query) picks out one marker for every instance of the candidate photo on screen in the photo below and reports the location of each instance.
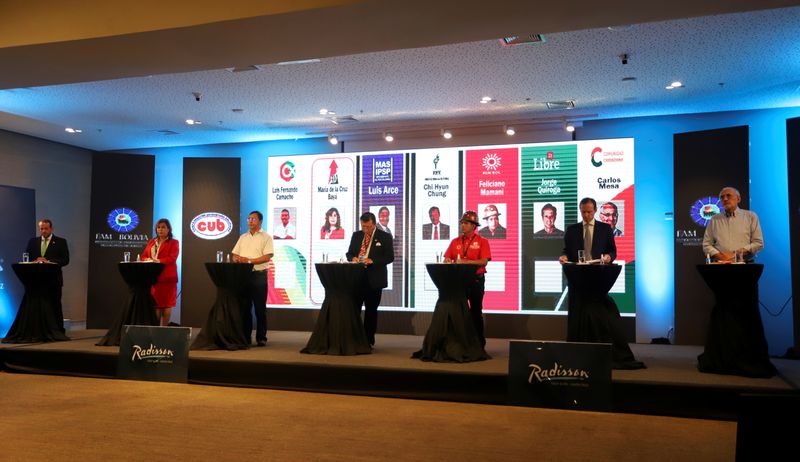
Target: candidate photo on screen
(332, 227)
(611, 213)
(548, 220)
(490, 216)
(435, 229)
(385, 215)
(285, 223)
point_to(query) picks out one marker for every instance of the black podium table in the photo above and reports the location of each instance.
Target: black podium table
(223, 328)
(735, 343)
(339, 330)
(139, 308)
(593, 316)
(451, 337)
(39, 317)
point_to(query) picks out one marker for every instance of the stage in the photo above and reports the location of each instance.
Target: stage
(670, 386)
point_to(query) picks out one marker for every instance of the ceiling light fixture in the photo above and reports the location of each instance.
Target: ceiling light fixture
(486, 99)
(569, 127)
(193, 122)
(388, 137)
(73, 130)
(509, 131)
(447, 134)
(333, 139)
(674, 85)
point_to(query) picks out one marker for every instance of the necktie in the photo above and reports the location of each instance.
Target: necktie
(364, 244)
(436, 231)
(44, 246)
(587, 241)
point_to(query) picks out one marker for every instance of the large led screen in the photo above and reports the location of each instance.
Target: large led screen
(525, 197)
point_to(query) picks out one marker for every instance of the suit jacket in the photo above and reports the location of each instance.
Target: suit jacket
(57, 252)
(602, 241)
(168, 255)
(427, 231)
(381, 253)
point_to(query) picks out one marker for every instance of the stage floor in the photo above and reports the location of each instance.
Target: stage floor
(671, 384)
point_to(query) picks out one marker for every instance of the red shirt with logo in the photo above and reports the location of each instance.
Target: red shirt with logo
(473, 247)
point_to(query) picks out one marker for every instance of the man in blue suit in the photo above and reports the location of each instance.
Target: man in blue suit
(373, 248)
(589, 235)
(49, 248)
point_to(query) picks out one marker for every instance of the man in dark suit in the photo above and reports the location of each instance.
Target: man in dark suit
(589, 235)
(435, 229)
(373, 248)
(49, 248)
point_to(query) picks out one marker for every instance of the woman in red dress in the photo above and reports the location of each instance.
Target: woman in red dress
(164, 249)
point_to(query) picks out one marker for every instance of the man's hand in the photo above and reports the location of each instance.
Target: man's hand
(563, 259)
(724, 257)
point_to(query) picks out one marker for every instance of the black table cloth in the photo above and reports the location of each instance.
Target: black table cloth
(735, 343)
(451, 336)
(593, 316)
(39, 318)
(339, 329)
(139, 308)
(223, 328)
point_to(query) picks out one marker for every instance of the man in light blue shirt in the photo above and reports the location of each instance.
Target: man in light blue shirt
(734, 230)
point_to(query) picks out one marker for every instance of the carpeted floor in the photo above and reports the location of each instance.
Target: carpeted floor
(69, 418)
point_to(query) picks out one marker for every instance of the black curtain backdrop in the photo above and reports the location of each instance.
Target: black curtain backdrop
(210, 185)
(122, 190)
(18, 209)
(793, 161)
(704, 163)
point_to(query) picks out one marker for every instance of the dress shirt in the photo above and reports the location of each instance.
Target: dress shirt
(45, 242)
(253, 246)
(282, 232)
(591, 229)
(728, 233)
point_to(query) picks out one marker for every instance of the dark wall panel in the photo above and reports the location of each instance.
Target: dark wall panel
(18, 209)
(704, 163)
(121, 220)
(211, 189)
(793, 167)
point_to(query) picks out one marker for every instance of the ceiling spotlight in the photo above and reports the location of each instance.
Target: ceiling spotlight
(510, 131)
(323, 111)
(193, 122)
(676, 84)
(486, 99)
(569, 127)
(388, 137)
(447, 134)
(73, 130)
(333, 139)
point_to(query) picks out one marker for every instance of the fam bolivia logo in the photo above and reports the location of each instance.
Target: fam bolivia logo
(211, 225)
(123, 220)
(704, 209)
